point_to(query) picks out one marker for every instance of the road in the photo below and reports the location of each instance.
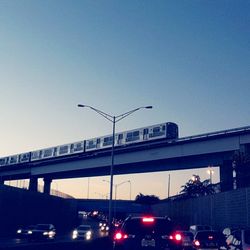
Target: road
(100, 241)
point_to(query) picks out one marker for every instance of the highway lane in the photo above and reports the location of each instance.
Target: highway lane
(96, 244)
(62, 241)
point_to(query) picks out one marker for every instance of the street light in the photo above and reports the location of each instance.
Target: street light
(116, 186)
(114, 120)
(119, 184)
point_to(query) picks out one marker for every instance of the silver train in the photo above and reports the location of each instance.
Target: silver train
(167, 130)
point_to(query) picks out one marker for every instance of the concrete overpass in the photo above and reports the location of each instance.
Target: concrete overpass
(198, 151)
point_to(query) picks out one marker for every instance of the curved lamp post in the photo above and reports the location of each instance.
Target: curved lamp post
(114, 120)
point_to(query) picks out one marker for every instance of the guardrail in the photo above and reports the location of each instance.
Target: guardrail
(216, 133)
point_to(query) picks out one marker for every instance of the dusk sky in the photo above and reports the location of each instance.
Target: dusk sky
(189, 59)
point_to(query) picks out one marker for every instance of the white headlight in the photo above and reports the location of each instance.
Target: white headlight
(74, 234)
(19, 231)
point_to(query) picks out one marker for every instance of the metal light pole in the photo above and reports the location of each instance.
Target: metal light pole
(114, 120)
(210, 171)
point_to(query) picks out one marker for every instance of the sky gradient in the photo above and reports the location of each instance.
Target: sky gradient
(190, 60)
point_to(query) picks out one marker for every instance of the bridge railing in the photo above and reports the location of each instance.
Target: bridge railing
(216, 133)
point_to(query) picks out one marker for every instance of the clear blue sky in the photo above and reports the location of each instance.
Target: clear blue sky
(189, 59)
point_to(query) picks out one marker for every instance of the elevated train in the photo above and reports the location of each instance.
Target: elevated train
(167, 130)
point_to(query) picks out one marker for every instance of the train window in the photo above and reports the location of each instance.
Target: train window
(13, 159)
(78, 147)
(145, 131)
(130, 134)
(156, 129)
(47, 152)
(3, 161)
(107, 141)
(98, 141)
(91, 144)
(133, 136)
(163, 127)
(24, 157)
(63, 149)
(120, 136)
(136, 133)
(35, 155)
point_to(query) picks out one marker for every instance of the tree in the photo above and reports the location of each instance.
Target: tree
(241, 165)
(195, 187)
(146, 199)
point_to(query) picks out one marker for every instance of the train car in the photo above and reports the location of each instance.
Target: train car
(160, 131)
(165, 130)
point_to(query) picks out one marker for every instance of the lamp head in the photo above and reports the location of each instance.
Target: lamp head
(148, 107)
(81, 105)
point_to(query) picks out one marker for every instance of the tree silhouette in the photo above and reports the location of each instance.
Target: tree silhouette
(195, 187)
(146, 199)
(241, 165)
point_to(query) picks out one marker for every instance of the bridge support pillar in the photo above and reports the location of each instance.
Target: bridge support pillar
(226, 175)
(47, 185)
(33, 184)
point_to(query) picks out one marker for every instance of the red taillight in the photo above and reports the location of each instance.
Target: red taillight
(120, 236)
(148, 219)
(177, 237)
(197, 243)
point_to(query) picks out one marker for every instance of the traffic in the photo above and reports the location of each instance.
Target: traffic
(133, 233)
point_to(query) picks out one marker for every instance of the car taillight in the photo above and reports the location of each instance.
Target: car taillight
(148, 219)
(120, 236)
(197, 243)
(176, 237)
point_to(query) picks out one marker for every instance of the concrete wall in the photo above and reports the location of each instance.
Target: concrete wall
(220, 210)
(20, 207)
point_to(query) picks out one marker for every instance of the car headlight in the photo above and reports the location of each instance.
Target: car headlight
(74, 234)
(88, 235)
(29, 232)
(51, 234)
(19, 231)
(45, 233)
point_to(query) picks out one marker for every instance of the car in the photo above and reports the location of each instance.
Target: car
(82, 232)
(23, 232)
(183, 239)
(42, 232)
(103, 226)
(209, 239)
(237, 238)
(195, 228)
(145, 233)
